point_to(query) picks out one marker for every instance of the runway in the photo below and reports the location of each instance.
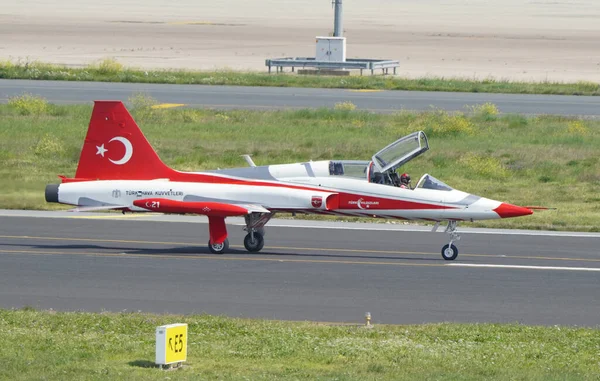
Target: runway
(308, 270)
(276, 98)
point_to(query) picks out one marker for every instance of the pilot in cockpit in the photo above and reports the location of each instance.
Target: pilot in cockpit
(405, 181)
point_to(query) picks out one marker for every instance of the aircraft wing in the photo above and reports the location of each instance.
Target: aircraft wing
(97, 208)
(252, 208)
(207, 208)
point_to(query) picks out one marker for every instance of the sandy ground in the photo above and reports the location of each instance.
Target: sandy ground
(537, 40)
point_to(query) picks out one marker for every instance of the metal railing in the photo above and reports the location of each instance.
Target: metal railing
(350, 64)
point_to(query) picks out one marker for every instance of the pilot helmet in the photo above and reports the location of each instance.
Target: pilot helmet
(405, 178)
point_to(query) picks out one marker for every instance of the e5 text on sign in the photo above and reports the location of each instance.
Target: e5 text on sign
(171, 344)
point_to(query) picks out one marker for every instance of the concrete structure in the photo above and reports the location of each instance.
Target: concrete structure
(330, 57)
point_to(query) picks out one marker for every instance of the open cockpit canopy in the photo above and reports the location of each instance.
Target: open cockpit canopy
(400, 152)
(382, 168)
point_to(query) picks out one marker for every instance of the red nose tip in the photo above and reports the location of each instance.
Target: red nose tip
(509, 210)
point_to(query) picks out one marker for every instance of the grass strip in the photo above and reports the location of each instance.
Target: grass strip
(533, 161)
(120, 346)
(110, 70)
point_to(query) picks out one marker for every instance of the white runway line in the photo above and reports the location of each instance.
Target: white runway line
(290, 223)
(427, 229)
(525, 267)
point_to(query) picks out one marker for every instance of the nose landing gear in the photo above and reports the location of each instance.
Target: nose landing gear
(449, 251)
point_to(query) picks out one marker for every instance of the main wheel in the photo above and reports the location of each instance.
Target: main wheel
(449, 252)
(257, 245)
(219, 248)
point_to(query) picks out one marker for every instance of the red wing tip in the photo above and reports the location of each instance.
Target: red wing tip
(508, 210)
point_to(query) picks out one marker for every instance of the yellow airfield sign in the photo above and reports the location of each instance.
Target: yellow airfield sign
(171, 343)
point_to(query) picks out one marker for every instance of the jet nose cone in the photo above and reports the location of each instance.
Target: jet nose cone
(508, 210)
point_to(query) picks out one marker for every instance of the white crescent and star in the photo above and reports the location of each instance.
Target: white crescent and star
(128, 150)
(101, 150)
(358, 203)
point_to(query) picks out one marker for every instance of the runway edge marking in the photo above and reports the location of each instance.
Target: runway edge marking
(282, 260)
(524, 267)
(344, 250)
(307, 225)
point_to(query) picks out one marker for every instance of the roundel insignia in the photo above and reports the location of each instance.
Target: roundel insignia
(317, 201)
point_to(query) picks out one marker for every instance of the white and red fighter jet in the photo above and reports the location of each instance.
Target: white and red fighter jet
(119, 170)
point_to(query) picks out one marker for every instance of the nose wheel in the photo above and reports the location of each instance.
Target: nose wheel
(449, 251)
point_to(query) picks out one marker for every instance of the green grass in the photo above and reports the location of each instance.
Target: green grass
(108, 346)
(544, 161)
(110, 70)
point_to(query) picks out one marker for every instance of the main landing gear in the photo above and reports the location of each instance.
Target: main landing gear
(449, 251)
(255, 223)
(254, 240)
(219, 248)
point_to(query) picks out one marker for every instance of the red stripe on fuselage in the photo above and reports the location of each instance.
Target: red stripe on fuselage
(346, 200)
(361, 203)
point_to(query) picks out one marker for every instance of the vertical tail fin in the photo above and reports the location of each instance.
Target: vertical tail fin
(116, 149)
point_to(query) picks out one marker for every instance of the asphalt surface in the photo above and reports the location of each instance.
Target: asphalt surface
(307, 271)
(267, 98)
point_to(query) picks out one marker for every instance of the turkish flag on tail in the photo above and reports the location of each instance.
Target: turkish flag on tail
(115, 148)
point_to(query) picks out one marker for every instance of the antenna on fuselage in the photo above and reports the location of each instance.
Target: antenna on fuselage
(249, 160)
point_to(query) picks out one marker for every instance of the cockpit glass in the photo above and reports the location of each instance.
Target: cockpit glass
(430, 182)
(398, 150)
(401, 151)
(349, 168)
(358, 170)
